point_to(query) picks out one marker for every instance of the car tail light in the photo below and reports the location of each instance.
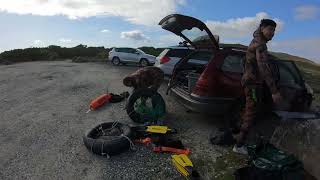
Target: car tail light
(201, 87)
(164, 59)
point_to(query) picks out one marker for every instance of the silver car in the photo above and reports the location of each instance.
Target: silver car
(172, 55)
(130, 55)
(168, 58)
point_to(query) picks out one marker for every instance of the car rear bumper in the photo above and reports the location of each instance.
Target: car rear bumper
(214, 106)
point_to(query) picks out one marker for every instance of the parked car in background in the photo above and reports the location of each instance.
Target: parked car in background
(214, 86)
(125, 55)
(168, 58)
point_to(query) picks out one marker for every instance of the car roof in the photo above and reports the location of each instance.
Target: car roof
(179, 47)
(244, 50)
(123, 47)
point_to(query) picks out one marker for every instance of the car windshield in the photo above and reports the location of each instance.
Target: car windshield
(140, 51)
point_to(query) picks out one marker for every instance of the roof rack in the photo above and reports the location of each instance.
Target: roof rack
(233, 46)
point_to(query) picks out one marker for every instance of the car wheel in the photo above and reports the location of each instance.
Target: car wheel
(144, 63)
(145, 105)
(116, 61)
(109, 138)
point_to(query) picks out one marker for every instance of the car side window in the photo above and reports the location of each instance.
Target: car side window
(120, 49)
(129, 50)
(164, 52)
(233, 63)
(288, 73)
(201, 57)
(180, 53)
(135, 51)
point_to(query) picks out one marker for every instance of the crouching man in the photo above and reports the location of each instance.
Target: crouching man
(147, 77)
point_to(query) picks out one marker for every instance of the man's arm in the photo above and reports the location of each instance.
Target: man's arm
(265, 68)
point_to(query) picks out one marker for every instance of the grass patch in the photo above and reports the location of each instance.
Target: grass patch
(220, 169)
(225, 166)
(311, 74)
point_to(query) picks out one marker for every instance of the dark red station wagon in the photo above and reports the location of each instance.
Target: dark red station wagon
(215, 86)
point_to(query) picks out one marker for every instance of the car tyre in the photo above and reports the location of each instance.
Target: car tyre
(116, 61)
(101, 141)
(144, 62)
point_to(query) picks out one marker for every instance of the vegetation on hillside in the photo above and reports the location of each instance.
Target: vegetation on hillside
(151, 50)
(80, 53)
(52, 53)
(311, 73)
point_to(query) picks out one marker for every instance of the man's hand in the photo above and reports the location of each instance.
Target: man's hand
(280, 103)
(277, 98)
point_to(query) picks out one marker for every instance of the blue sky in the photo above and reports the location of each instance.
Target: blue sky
(133, 23)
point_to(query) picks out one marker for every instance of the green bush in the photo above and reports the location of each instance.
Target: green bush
(102, 55)
(52, 52)
(151, 50)
(29, 54)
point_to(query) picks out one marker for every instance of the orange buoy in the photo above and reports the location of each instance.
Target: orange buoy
(99, 101)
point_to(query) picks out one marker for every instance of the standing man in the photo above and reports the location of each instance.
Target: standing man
(258, 71)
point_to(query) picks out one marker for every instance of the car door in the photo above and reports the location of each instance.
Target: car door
(193, 64)
(194, 31)
(135, 55)
(292, 86)
(125, 54)
(121, 53)
(230, 75)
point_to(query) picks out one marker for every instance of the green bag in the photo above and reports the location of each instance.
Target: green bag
(268, 162)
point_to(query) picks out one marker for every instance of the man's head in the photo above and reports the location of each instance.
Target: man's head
(268, 28)
(129, 81)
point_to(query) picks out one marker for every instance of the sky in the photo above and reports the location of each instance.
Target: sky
(134, 23)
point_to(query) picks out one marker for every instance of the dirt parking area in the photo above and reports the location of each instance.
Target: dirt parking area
(43, 119)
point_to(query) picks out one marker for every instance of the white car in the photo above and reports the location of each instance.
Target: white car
(172, 55)
(168, 58)
(130, 55)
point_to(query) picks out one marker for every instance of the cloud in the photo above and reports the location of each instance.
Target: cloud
(239, 28)
(105, 31)
(63, 40)
(37, 43)
(308, 48)
(306, 12)
(135, 35)
(146, 12)
(169, 40)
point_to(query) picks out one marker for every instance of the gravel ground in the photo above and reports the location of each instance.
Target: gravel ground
(43, 118)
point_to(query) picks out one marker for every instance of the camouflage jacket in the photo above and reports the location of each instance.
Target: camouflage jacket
(147, 77)
(258, 68)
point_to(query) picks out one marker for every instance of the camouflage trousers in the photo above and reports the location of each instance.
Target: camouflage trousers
(253, 108)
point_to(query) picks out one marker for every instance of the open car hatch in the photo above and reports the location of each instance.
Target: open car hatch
(194, 31)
